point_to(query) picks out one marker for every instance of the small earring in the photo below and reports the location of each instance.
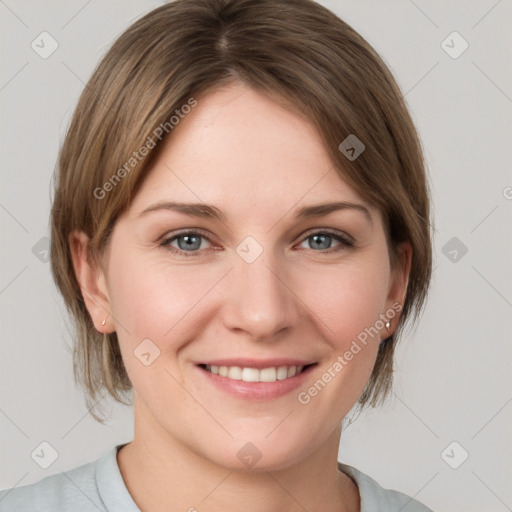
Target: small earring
(104, 321)
(388, 325)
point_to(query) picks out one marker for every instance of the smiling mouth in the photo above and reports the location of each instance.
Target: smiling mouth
(271, 374)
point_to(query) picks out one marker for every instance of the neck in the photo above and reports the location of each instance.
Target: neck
(158, 470)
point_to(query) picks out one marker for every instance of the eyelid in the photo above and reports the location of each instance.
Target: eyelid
(186, 231)
(328, 231)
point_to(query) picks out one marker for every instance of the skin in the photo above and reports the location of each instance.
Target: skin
(256, 161)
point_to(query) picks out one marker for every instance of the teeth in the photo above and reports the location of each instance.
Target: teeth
(282, 372)
(235, 372)
(268, 375)
(250, 375)
(253, 374)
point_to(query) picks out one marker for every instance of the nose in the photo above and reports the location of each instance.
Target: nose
(259, 299)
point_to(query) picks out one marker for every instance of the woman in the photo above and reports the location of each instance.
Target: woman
(240, 230)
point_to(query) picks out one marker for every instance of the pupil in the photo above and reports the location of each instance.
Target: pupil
(325, 239)
(189, 241)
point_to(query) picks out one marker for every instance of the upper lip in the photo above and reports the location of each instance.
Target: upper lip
(257, 363)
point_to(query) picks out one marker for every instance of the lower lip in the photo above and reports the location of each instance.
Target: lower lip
(256, 390)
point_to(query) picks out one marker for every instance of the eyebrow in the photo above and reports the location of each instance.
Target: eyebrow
(202, 210)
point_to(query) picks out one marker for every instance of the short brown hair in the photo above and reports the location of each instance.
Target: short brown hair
(296, 51)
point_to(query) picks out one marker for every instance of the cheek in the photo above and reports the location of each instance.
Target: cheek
(154, 299)
(347, 303)
(347, 298)
(156, 302)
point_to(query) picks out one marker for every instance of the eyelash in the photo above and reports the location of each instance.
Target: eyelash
(346, 243)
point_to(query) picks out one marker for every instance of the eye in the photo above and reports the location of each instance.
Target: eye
(323, 239)
(189, 243)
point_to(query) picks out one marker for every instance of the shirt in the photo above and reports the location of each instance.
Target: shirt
(99, 486)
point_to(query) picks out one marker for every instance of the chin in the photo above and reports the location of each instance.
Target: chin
(259, 454)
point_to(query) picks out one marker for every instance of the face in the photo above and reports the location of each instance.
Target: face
(254, 294)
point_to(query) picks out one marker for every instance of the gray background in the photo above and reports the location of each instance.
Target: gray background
(453, 379)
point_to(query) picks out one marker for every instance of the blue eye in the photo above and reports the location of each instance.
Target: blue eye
(322, 239)
(189, 242)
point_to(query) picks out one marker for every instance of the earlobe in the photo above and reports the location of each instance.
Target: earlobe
(92, 282)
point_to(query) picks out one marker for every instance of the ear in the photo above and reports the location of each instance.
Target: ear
(92, 282)
(400, 278)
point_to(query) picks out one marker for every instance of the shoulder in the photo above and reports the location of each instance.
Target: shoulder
(375, 497)
(75, 490)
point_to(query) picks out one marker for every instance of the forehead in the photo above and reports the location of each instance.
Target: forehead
(242, 150)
